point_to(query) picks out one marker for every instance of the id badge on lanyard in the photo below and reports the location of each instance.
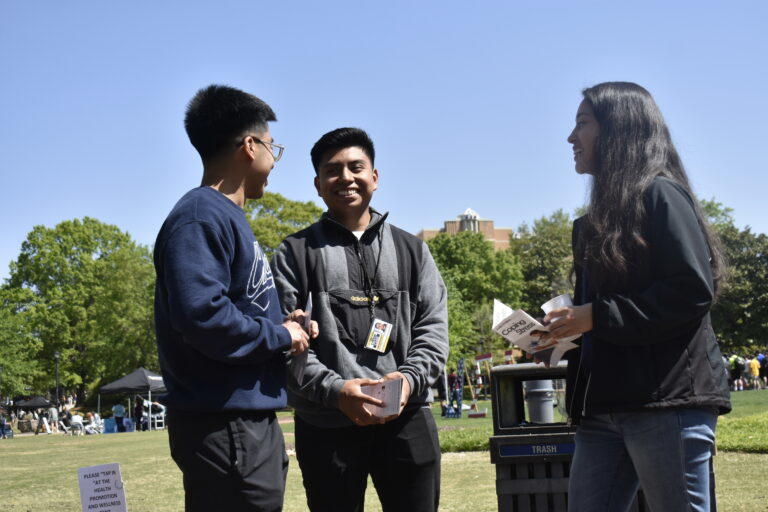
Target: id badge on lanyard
(378, 336)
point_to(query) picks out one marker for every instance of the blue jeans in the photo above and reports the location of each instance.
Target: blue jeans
(455, 397)
(667, 452)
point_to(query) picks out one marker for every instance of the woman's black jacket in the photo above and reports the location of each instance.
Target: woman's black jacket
(653, 346)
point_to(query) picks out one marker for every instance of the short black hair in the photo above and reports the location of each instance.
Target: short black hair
(341, 138)
(218, 114)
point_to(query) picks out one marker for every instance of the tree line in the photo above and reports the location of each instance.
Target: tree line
(85, 289)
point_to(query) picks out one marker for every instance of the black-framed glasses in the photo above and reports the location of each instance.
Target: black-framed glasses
(275, 149)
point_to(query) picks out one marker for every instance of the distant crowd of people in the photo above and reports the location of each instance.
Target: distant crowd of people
(143, 411)
(58, 418)
(746, 372)
(62, 417)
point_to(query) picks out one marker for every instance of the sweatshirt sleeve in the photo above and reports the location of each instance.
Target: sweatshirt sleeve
(682, 289)
(320, 384)
(429, 346)
(196, 274)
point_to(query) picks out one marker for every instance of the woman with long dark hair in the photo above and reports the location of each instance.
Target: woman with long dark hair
(648, 382)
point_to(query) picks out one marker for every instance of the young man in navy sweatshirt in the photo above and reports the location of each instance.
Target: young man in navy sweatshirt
(381, 307)
(222, 340)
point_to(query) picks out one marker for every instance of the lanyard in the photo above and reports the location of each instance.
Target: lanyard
(369, 283)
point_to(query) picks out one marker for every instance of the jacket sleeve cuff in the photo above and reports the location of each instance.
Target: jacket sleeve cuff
(411, 381)
(332, 397)
(283, 337)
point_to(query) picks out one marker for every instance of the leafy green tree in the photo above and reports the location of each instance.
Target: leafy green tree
(18, 345)
(93, 292)
(544, 251)
(485, 339)
(479, 273)
(475, 274)
(740, 316)
(461, 333)
(274, 217)
(718, 215)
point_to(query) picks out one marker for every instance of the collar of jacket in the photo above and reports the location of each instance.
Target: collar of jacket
(377, 219)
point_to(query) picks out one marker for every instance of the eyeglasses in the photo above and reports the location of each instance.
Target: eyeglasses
(275, 149)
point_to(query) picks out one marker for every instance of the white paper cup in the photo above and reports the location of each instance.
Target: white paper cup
(558, 302)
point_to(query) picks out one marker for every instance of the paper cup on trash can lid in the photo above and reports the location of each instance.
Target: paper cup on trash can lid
(558, 302)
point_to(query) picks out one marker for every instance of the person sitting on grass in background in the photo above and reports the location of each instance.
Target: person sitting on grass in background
(76, 424)
(65, 420)
(90, 425)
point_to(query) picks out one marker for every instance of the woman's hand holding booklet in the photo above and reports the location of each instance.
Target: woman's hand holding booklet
(521, 329)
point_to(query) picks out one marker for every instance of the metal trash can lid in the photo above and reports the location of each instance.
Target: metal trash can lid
(531, 370)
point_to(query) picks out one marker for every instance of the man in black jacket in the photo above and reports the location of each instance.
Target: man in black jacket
(369, 281)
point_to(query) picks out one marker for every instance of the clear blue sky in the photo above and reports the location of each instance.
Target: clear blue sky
(469, 103)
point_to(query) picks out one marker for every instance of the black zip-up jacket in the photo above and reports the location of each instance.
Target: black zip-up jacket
(653, 346)
(342, 273)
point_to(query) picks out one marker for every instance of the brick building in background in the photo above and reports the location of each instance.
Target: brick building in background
(471, 221)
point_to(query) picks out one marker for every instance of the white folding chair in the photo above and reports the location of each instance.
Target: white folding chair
(158, 420)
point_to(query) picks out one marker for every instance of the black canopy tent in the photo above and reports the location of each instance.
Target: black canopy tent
(138, 381)
(141, 380)
(37, 402)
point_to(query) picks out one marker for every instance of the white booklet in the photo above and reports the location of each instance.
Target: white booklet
(516, 327)
(389, 392)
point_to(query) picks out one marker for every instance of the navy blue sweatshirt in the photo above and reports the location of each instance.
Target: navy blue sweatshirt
(217, 315)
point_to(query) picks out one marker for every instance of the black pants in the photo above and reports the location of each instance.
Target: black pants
(233, 461)
(402, 457)
(119, 424)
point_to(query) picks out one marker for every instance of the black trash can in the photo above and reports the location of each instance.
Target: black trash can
(532, 457)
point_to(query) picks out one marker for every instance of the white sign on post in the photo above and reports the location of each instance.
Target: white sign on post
(101, 488)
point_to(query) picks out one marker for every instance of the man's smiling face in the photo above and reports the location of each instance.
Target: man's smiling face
(346, 180)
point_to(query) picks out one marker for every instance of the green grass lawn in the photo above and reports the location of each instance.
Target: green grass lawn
(40, 473)
(745, 429)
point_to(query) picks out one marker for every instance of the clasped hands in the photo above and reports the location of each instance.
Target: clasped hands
(352, 398)
(294, 322)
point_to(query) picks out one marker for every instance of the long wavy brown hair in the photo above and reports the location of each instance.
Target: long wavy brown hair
(634, 146)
